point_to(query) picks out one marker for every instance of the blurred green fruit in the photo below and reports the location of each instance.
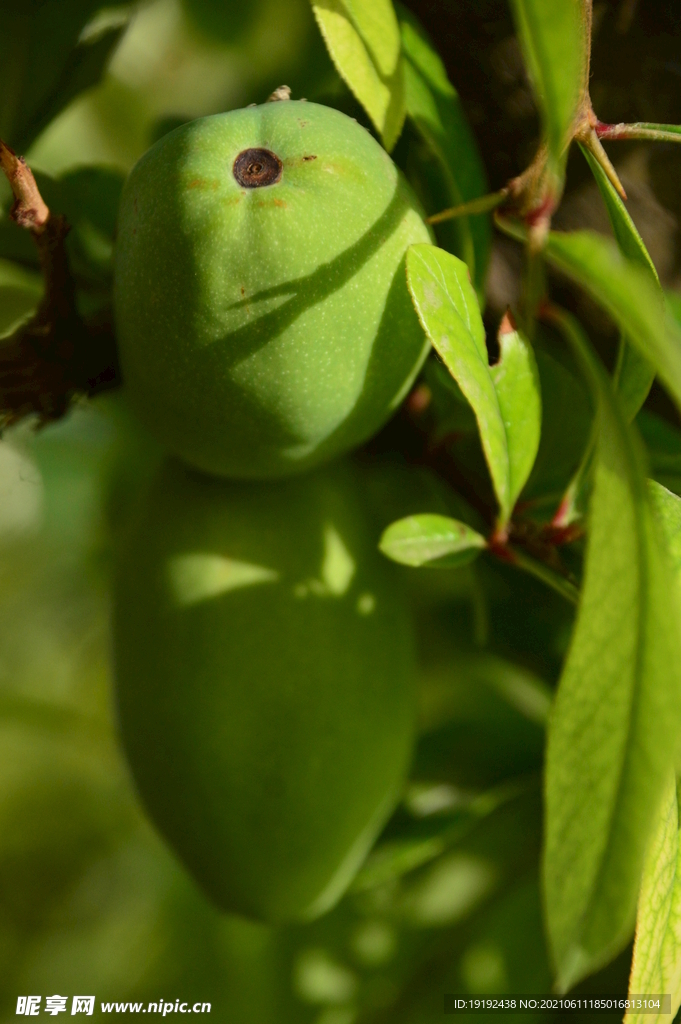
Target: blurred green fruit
(263, 316)
(264, 674)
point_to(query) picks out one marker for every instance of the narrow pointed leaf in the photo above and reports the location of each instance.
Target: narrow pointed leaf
(434, 107)
(617, 715)
(431, 540)
(516, 381)
(635, 374)
(555, 42)
(448, 309)
(668, 510)
(360, 62)
(627, 293)
(376, 23)
(656, 964)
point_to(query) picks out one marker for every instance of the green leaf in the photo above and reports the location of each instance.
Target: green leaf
(555, 42)
(47, 61)
(617, 715)
(428, 840)
(516, 381)
(668, 511)
(634, 375)
(520, 688)
(377, 25)
(429, 539)
(434, 107)
(448, 310)
(656, 964)
(627, 293)
(362, 37)
(663, 444)
(504, 398)
(564, 400)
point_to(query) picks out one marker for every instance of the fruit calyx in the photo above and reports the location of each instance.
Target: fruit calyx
(255, 168)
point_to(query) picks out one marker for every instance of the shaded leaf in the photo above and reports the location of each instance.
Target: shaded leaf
(431, 540)
(564, 400)
(656, 964)
(516, 381)
(423, 841)
(617, 714)
(47, 61)
(360, 61)
(434, 107)
(634, 374)
(555, 44)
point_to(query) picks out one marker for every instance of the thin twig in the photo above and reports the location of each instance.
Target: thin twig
(54, 356)
(639, 130)
(542, 572)
(481, 205)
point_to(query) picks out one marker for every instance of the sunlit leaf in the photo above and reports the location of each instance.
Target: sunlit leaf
(656, 964)
(668, 511)
(555, 44)
(508, 418)
(369, 64)
(431, 540)
(627, 293)
(516, 381)
(376, 23)
(634, 375)
(434, 107)
(448, 309)
(617, 715)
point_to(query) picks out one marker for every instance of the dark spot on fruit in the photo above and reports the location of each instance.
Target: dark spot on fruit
(243, 291)
(196, 183)
(313, 156)
(303, 124)
(255, 168)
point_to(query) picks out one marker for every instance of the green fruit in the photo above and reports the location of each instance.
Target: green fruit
(263, 317)
(264, 683)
